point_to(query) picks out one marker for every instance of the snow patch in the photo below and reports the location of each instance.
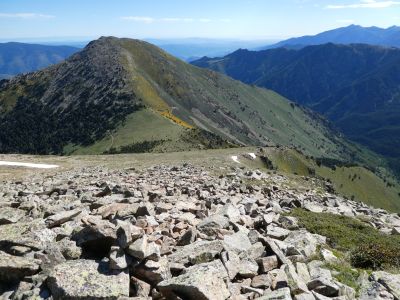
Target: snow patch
(235, 159)
(252, 155)
(27, 165)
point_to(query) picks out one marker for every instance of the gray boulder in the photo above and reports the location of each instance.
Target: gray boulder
(390, 281)
(200, 282)
(87, 279)
(13, 268)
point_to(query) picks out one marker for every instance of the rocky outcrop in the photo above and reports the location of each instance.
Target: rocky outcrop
(171, 233)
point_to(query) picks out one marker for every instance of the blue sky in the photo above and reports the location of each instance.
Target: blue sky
(234, 19)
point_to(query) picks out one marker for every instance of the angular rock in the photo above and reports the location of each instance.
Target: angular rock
(140, 288)
(324, 287)
(9, 215)
(277, 232)
(95, 232)
(127, 233)
(69, 249)
(237, 242)
(188, 237)
(200, 282)
(304, 243)
(142, 249)
(328, 256)
(152, 271)
(305, 296)
(281, 294)
(231, 262)
(295, 282)
(87, 279)
(197, 249)
(13, 268)
(303, 272)
(390, 281)
(118, 259)
(58, 219)
(23, 234)
(262, 281)
(230, 211)
(211, 225)
(248, 268)
(268, 263)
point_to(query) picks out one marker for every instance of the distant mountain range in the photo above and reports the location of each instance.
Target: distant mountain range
(122, 95)
(18, 58)
(352, 34)
(194, 48)
(356, 86)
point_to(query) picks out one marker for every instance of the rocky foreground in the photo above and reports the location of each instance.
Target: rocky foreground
(171, 233)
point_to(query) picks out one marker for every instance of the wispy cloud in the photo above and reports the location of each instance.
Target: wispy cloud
(366, 4)
(146, 20)
(26, 16)
(149, 20)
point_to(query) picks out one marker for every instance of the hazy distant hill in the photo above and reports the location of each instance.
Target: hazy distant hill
(356, 86)
(195, 48)
(129, 96)
(17, 58)
(352, 34)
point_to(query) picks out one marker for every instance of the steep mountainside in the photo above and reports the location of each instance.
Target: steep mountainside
(347, 35)
(121, 95)
(17, 58)
(356, 86)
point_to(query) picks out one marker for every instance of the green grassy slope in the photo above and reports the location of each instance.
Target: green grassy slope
(352, 181)
(123, 94)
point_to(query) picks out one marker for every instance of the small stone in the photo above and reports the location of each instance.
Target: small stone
(248, 268)
(152, 271)
(118, 259)
(328, 256)
(281, 294)
(268, 263)
(276, 232)
(188, 237)
(140, 288)
(58, 219)
(262, 281)
(69, 249)
(324, 287)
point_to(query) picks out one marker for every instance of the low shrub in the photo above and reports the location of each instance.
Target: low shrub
(368, 247)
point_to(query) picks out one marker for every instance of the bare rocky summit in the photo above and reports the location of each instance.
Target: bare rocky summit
(172, 232)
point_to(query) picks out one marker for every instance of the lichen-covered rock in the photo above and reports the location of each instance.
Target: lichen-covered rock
(9, 215)
(87, 279)
(200, 282)
(197, 249)
(13, 268)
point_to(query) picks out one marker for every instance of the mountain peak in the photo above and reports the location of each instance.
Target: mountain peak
(352, 34)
